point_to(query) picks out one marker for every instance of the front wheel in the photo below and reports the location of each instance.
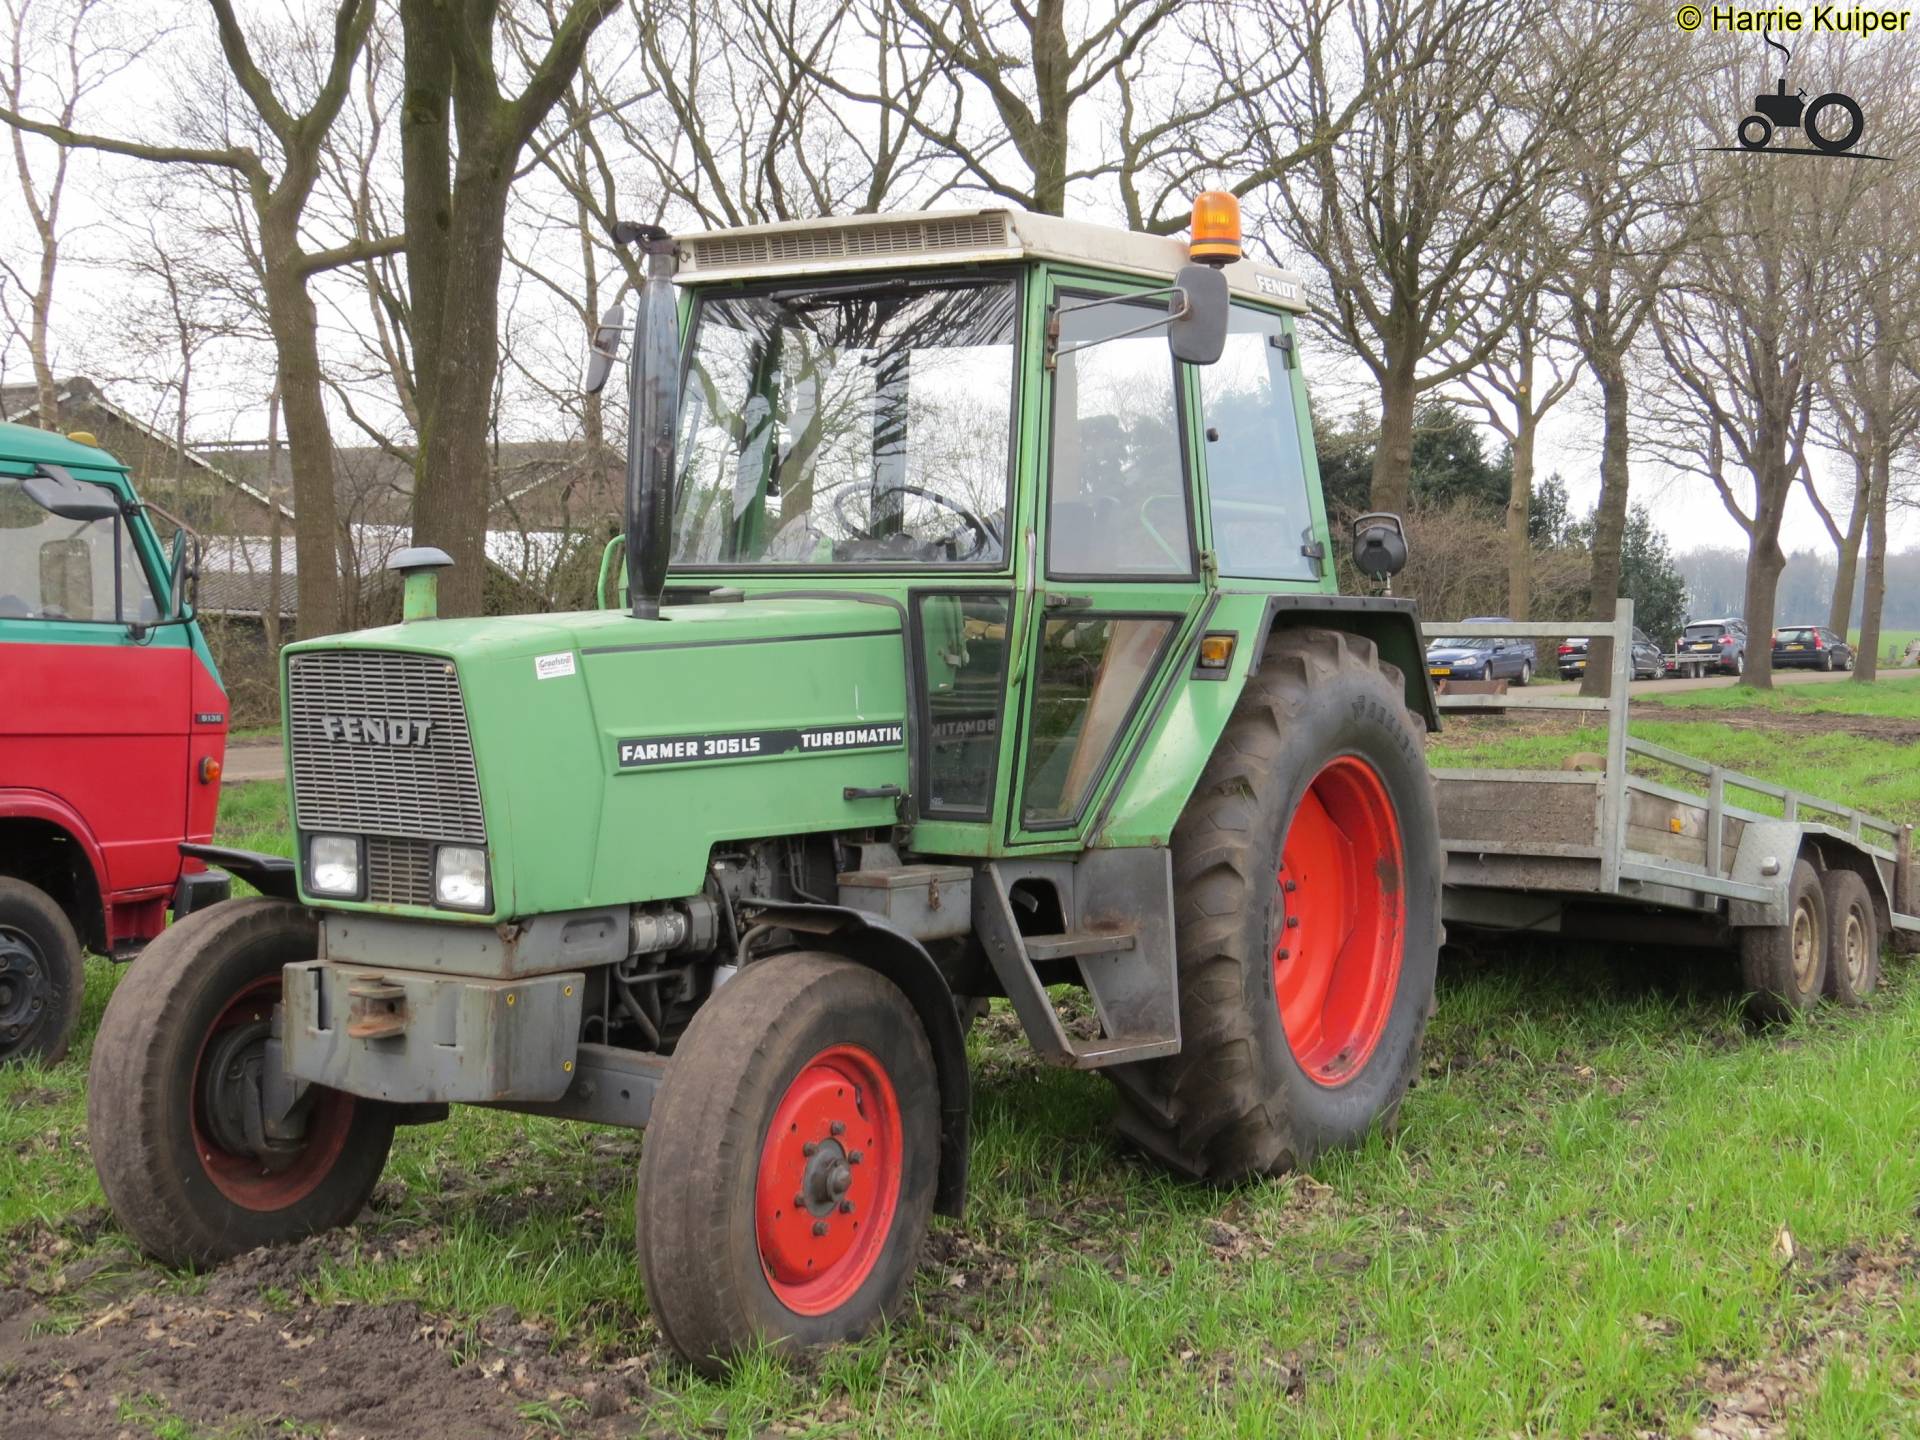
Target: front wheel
(41, 974)
(1307, 879)
(787, 1176)
(1526, 672)
(1755, 132)
(175, 1108)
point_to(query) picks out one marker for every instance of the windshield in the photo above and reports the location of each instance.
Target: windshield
(848, 425)
(1467, 642)
(55, 569)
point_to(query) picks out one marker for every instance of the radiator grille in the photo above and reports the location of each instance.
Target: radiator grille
(361, 786)
(399, 872)
(851, 241)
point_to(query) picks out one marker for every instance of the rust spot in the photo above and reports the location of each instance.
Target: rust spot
(1387, 871)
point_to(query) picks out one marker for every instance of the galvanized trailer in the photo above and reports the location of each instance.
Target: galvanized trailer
(1606, 854)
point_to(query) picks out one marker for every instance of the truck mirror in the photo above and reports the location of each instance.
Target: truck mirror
(1197, 331)
(1379, 545)
(55, 490)
(603, 348)
(183, 575)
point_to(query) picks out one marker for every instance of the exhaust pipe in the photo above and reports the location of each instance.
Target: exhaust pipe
(653, 397)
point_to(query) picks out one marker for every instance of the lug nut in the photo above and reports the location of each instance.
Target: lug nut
(1292, 921)
(819, 1227)
(846, 1207)
(809, 1147)
(836, 1128)
(799, 1199)
(1292, 885)
(854, 1158)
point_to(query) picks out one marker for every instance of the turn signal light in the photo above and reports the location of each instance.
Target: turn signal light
(1216, 652)
(209, 770)
(1215, 236)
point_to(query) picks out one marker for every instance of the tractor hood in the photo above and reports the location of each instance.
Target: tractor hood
(609, 756)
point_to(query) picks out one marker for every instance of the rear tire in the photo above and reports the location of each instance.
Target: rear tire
(1853, 938)
(179, 1034)
(1526, 672)
(1320, 762)
(42, 975)
(802, 1233)
(1785, 966)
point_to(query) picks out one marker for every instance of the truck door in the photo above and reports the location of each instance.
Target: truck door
(94, 718)
(1119, 556)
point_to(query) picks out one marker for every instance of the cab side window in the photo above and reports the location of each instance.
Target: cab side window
(57, 569)
(1117, 499)
(1256, 480)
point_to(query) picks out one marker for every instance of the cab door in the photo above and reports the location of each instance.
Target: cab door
(1119, 556)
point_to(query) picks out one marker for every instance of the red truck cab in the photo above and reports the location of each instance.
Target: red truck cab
(113, 728)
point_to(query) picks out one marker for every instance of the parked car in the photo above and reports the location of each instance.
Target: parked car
(112, 736)
(1649, 663)
(1481, 657)
(1723, 641)
(1813, 645)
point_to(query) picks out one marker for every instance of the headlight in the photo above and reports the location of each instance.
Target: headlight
(333, 865)
(460, 877)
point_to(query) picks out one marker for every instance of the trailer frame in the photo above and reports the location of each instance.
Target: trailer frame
(1589, 838)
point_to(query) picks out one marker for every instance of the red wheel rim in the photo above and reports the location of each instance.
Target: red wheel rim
(245, 1179)
(1343, 917)
(829, 1180)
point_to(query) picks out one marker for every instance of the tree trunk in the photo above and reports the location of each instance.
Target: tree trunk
(452, 489)
(290, 316)
(1609, 517)
(270, 614)
(46, 388)
(1866, 663)
(1765, 559)
(1846, 571)
(1052, 78)
(1519, 512)
(1392, 488)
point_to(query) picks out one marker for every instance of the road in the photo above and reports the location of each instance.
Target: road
(1721, 682)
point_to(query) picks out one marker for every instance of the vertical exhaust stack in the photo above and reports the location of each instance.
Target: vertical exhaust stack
(653, 402)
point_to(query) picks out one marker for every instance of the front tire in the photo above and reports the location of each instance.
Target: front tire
(174, 1066)
(1307, 881)
(1526, 672)
(788, 1171)
(1785, 966)
(42, 975)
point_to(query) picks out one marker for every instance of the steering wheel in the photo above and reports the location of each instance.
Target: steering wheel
(983, 535)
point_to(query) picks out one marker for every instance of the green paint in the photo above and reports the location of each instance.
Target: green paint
(552, 699)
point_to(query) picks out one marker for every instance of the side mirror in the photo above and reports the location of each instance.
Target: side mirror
(603, 348)
(183, 576)
(1379, 545)
(1197, 331)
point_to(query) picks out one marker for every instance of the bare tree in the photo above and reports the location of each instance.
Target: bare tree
(279, 187)
(461, 141)
(59, 53)
(1408, 212)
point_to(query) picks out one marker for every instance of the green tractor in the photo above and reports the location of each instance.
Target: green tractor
(977, 635)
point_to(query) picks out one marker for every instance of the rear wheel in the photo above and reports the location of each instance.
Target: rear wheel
(42, 974)
(787, 1177)
(1526, 672)
(1853, 938)
(1307, 880)
(1785, 966)
(175, 1107)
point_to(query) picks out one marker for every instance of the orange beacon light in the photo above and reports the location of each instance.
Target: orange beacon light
(1216, 228)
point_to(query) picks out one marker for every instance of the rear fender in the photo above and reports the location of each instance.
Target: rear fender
(893, 953)
(1391, 623)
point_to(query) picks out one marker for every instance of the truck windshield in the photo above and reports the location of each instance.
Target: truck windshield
(55, 569)
(853, 425)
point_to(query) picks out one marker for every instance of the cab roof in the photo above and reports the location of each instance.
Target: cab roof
(911, 239)
(25, 445)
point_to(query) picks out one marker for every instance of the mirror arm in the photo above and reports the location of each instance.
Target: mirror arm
(1054, 350)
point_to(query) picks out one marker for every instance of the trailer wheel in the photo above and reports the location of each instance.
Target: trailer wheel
(1785, 966)
(42, 974)
(1853, 938)
(173, 1109)
(787, 1175)
(1307, 872)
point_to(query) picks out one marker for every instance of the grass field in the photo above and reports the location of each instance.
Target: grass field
(1613, 1208)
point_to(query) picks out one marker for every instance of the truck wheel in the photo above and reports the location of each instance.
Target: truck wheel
(1785, 966)
(174, 1096)
(42, 974)
(787, 1175)
(1307, 873)
(1853, 938)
